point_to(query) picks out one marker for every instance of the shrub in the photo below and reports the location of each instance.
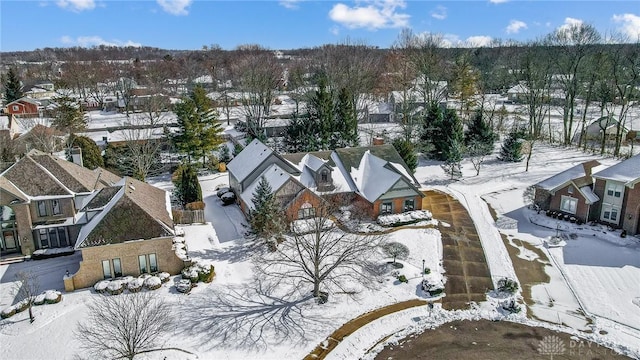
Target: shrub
(507, 285)
(197, 272)
(152, 283)
(8, 312)
(115, 287)
(22, 305)
(403, 279)
(164, 276)
(52, 296)
(135, 285)
(177, 216)
(39, 300)
(101, 286)
(183, 286)
(431, 289)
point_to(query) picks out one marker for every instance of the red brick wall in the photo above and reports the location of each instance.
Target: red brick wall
(582, 210)
(305, 197)
(631, 210)
(398, 205)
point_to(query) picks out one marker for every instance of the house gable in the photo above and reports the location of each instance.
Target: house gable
(400, 189)
(33, 180)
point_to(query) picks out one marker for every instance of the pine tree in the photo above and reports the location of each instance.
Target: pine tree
(91, 154)
(68, 115)
(224, 154)
(453, 156)
(266, 218)
(187, 186)
(12, 86)
(431, 129)
(346, 123)
(451, 133)
(321, 112)
(407, 152)
(480, 134)
(511, 149)
(199, 129)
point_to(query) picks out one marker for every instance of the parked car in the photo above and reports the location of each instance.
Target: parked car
(228, 198)
(222, 191)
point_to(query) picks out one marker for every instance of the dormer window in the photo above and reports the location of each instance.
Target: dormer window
(324, 176)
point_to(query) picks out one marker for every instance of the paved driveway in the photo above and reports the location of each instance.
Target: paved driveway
(228, 221)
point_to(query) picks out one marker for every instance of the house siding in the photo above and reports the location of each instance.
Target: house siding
(90, 271)
(631, 210)
(398, 205)
(306, 196)
(23, 224)
(24, 108)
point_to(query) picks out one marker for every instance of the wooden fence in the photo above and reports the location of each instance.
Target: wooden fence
(188, 216)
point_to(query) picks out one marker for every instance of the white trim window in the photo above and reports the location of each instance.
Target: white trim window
(610, 213)
(386, 207)
(615, 190)
(569, 204)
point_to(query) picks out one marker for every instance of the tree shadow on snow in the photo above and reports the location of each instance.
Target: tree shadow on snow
(250, 318)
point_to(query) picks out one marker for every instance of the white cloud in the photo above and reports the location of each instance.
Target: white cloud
(439, 13)
(289, 4)
(76, 5)
(498, 1)
(570, 22)
(89, 41)
(376, 15)
(515, 26)
(630, 25)
(453, 40)
(478, 41)
(335, 30)
(175, 7)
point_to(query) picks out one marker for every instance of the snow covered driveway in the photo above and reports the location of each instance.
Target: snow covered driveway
(226, 220)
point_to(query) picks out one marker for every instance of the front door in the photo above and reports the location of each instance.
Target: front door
(8, 241)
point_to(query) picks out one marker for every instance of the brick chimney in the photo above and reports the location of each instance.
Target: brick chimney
(378, 140)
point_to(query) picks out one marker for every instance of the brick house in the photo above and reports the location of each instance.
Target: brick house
(619, 190)
(570, 192)
(589, 191)
(25, 107)
(48, 203)
(374, 177)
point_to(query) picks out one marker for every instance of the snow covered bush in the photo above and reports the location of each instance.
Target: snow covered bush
(115, 287)
(396, 250)
(135, 285)
(22, 305)
(507, 285)
(432, 288)
(101, 286)
(305, 226)
(409, 217)
(152, 283)
(52, 296)
(184, 286)
(164, 276)
(511, 306)
(8, 312)
(198, 272)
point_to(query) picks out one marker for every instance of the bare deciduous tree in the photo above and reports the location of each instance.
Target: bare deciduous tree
(123, 326)
(27, 288)
(323, 257)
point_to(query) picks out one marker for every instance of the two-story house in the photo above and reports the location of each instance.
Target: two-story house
(122, 226)
(618, 187)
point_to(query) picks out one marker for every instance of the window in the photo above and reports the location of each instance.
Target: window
(117, 268)
(106, 269)
(153, 263)
(386, 208)
(306, 213)
(44, 239)
(42, 208)
(324, 176)
(570, 189)
(142, 262)
(53, 237)
(409, 204)
(610, 213)
(569, 204)
(16, 108)
(614, 190)
(55, 207)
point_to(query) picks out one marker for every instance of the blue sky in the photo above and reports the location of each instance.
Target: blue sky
(287, 24)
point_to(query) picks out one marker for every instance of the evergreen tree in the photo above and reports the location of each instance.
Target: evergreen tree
(12, 86)
(187, 186)
(68, 115)
(91, 154)
(407, 152)
(451, 139)
(511, 149)
(431, 129)
(480, 134)
(295, 135)
(224, 155)
(237, 149)
(346, 123)
(266, 217)
(454, 157)
(321, 112)
(199, 129)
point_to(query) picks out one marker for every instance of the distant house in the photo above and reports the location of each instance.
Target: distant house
(569, 192)
(606, 126)
(41, 91)
(24, 107)
(121, 226)
(618, 187)
(376, 177)
(518, 93)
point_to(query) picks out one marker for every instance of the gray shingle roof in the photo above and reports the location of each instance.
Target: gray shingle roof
(627, 171)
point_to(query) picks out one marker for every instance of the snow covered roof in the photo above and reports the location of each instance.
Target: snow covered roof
(249, 159)
(275, 176)
(518, 89)
(373, 177)
(580, 171)
(589, 195)
(627, 171)
(312, 162)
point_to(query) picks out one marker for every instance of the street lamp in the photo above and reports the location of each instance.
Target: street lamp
(422, 267)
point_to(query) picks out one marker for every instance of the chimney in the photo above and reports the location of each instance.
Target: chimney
(378, 140)
(76, 155)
